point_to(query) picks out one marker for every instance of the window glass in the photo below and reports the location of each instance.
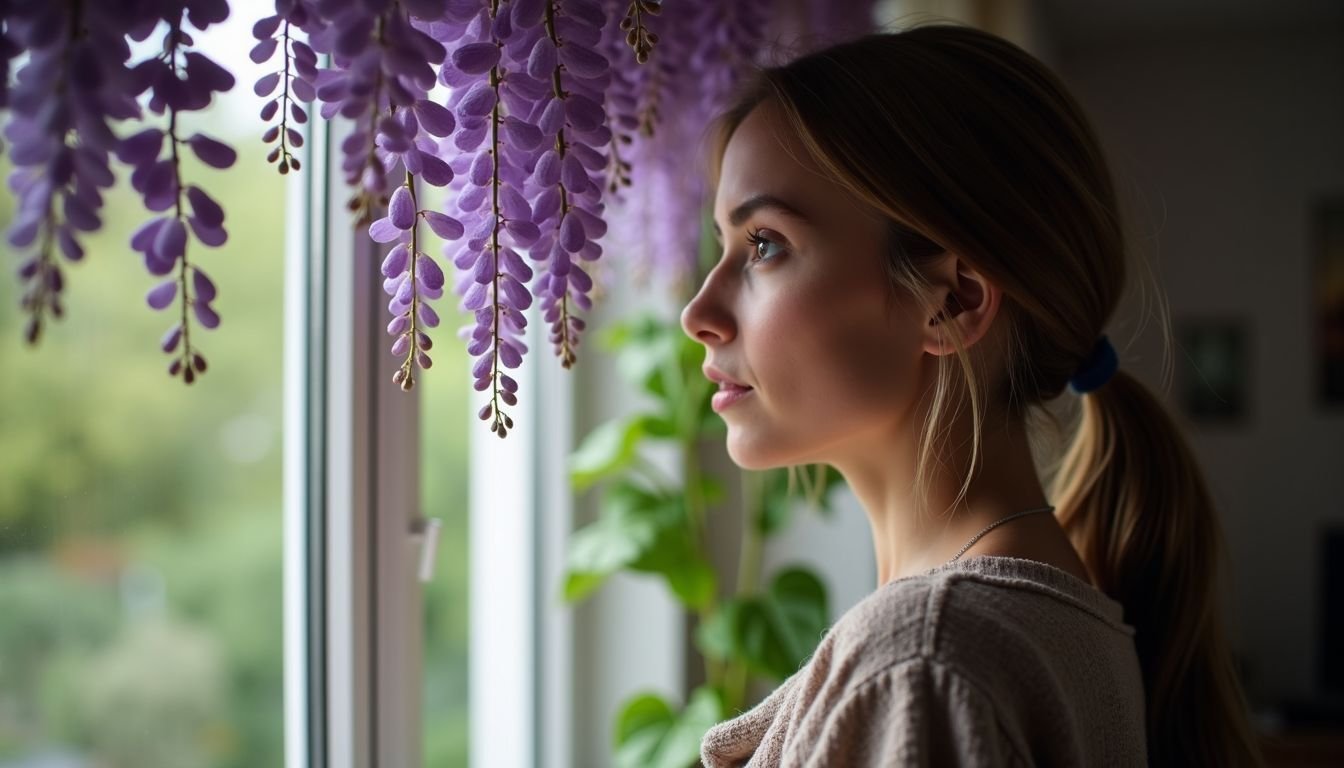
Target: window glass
(445, 421)
(140, 518)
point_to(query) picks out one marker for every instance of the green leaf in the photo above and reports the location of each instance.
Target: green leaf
(640, 727)
(673, 554)
(776, 503)
(610, 543)
(761, 643)
(605, 451)
(628, 498)
(579, 584)
(715, 635)
(682, 744)
(693, 582)
(798, 604)
(648, 342)
(641, 361)
(642, 530)
(650, 734)
(603, 547)
(660, 426)
(773, 633)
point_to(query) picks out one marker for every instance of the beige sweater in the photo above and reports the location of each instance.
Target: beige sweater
(988, 661)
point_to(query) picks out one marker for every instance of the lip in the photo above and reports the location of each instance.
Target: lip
(719, 377)
(730, 390)
(727, 395)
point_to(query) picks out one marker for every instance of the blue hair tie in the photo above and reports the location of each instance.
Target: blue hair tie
(1098, 369)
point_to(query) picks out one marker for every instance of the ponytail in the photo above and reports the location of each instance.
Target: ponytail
(1135, 505)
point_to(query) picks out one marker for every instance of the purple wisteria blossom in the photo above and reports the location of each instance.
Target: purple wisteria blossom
(560, 118)
(382, 69)
(527, 88)
(659, 117)
(633, 25)
(411, 277)
(179, 80)
(659, 114)
(289, 85)
(383, 59)
(73, 84)
(496, 149)
(570, 176)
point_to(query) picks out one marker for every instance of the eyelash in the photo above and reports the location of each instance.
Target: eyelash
(755, 239)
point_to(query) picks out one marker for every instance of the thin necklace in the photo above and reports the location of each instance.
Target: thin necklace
(991, 527)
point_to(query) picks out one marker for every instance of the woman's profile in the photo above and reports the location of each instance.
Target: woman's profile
(920, 250)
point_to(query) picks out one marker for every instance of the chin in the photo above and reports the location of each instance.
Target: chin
(753, 454)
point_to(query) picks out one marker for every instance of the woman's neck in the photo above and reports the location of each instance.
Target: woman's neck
(907, 543)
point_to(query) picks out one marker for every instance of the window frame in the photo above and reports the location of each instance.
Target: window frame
(353, 622)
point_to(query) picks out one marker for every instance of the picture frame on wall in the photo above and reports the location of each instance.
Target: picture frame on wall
(1328, 290)
(1215, 370)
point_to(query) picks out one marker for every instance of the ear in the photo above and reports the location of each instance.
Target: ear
(967, 298)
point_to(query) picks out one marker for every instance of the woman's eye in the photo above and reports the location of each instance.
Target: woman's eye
(762, 247)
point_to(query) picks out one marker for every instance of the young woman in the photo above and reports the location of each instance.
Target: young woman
(921, 249)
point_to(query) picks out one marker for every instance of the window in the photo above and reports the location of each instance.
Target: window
(140, 519)
(377, 662)
(228, 574)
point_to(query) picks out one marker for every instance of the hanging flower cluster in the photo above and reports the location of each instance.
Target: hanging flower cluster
(696, 54)
(76, 82)
(554, 111)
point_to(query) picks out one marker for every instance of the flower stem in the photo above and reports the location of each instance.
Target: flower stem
(408, 365)
(564, 349)
(498, 426)
(188, 373)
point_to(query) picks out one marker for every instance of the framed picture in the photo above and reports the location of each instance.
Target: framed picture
(1215, 369)
(1328, 284)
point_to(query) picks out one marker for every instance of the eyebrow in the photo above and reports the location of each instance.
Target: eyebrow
(758, 202)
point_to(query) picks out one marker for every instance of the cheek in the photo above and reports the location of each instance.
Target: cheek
(833, 350)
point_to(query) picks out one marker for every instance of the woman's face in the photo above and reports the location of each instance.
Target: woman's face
(803, 316)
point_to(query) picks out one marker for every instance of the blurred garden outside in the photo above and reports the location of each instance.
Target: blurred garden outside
(141, 591)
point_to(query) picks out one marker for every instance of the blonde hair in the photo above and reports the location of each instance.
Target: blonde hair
(967, 143)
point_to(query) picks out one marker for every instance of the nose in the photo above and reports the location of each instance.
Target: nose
(706, 318)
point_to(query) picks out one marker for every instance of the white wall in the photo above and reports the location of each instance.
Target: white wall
(1221, 140)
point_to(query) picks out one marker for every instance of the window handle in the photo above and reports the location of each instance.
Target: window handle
(427, 531)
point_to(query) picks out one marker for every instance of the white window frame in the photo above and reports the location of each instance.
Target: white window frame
(352, 618)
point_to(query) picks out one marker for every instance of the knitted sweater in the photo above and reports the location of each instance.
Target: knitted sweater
(988, 661)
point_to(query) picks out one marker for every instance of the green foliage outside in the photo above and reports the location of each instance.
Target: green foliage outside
(140, 519)
(445, 418)
(654, 524)
(140, 524)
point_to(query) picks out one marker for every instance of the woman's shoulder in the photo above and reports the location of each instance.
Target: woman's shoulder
(993, 648)
(968, 614)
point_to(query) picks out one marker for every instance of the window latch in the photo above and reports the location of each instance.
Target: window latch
(426, 530)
